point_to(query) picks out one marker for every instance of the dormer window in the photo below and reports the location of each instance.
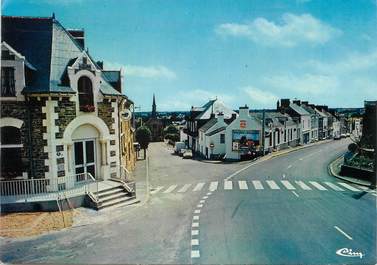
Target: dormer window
(85, 90)
(7, 82)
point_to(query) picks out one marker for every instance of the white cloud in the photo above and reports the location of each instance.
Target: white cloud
(293, 30)
(260, 97)
(313, 84)
(353, 62)
(158, 71)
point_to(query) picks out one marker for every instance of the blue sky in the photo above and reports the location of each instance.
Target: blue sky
(242, 52)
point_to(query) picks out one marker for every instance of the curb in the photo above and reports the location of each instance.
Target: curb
(347, 179)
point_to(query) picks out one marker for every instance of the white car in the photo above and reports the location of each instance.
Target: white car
(187, 154)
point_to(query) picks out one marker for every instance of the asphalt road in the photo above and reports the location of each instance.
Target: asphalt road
(258, 226)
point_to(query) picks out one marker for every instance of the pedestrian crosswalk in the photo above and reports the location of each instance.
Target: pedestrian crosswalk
(243, 185)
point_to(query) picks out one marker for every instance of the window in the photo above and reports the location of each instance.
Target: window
(85, 94)
(222, 138)
(11, 152)
(7, 82)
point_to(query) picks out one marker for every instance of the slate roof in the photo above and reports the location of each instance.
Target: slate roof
(49, 48)
(216, 131)
(298, 109)
(214, 106)
(276, 118)
(111, 76)
(208, 124)
(309, 109)
(323, 115)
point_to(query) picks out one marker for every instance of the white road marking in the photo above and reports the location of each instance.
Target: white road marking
(344, 233)
(289, 166)
(333, 186)
(257, 184)
(228, 185)
(243, 185)
(185, 188)
(195, 224)
(195, 254)
(170, 189)
(209, 193)
(213, 186)
(272, 184)
(195, 217)
(199, 186)
(303, 185)
(157, 189)
(205, 197)
(317, 185)
(288, 185)
(295, 193)
(283, 176)
(194, 232)
(197, 211)
(202, 201)
(194, 242)
(301, 159)
(199, 205)
(348, 186)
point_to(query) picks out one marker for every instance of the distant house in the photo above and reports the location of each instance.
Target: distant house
(314, 120)
(201, 115)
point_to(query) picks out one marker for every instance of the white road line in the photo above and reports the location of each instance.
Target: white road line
(205, 197)
(195, 224)
(202, 201)
(295, 193)
(243, 185)
(197, 211)
(209, 193)
(344, 233)
(195, 217)
(289, 166)
(272, 184)
(333, 186)
(199, 206)
(228, 185)
(348, 186)
(257, 184)
(194, 232)
(194, 242)
(195, 254)
(185, 188)
(157, 189)
(288, 185)
(170, 189)
(303, 185)
(199, 186)
(317, 185)
(213, 186)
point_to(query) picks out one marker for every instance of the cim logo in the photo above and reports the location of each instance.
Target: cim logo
(348, 252)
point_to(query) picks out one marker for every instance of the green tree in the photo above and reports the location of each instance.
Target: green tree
(143, 136)
(171, 129)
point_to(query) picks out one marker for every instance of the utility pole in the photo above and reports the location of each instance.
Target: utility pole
(263, 131)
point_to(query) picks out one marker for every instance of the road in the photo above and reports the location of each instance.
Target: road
(243, 220)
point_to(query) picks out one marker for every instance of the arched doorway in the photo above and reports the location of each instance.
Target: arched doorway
(85, 148)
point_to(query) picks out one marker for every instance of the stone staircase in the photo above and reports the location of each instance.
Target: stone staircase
(114, 194)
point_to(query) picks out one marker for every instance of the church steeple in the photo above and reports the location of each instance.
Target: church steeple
(154, 111)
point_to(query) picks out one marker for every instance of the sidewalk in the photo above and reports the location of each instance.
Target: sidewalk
(334, 169)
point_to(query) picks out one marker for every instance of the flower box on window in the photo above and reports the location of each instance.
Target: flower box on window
(87, 108)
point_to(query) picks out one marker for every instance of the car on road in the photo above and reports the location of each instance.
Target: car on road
(178, 146)
(337, 137)
(348, 134)
(343, 135)
(187, 154)
(182, 151)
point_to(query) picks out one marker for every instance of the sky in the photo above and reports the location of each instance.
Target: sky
(242, 52)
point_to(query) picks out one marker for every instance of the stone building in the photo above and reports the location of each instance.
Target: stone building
(61, 113)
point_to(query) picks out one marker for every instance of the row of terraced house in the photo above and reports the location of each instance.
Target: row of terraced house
(215, 131)
(64, 119)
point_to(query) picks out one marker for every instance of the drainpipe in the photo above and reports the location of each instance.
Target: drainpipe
(30, 138)
(119, 137)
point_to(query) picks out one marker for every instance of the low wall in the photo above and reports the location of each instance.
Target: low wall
(46, 206)
(354, 172)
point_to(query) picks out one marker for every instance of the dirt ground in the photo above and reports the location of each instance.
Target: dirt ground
(36, 223)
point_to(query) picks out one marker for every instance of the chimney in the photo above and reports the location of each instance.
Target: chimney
(244, 111)
(79, 36)
(284, 102)
(278, 105)
(297, 102)
(212, 115)
(305, 103)
(234, 116)
(220, 117)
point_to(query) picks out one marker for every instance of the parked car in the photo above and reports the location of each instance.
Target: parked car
(348, 134)
(343, 135)
(178, 146)
(337, 137)
(187, 154)
(182, 151)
